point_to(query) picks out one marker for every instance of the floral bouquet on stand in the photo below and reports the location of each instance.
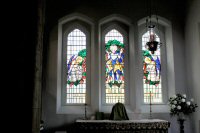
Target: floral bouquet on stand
(180, 106)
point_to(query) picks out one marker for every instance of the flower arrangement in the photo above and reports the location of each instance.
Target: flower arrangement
(180, 105)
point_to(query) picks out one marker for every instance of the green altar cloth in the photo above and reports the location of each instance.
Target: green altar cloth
(118, 112)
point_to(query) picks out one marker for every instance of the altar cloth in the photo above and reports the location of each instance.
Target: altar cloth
(123, 121)
(122, 126)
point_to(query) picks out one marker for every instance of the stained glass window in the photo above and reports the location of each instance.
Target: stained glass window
(152, 72)
(114, 71)
(76, 67)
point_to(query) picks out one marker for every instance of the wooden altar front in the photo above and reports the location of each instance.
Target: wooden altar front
(124, 126)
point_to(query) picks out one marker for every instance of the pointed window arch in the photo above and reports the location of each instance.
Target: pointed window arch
(114, 67)
(76, 67)
(75, 41)
(152, 71)
(114, 35)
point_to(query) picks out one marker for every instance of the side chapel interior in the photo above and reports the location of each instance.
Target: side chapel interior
(184, 19)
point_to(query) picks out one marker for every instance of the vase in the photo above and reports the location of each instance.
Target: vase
(181, 119)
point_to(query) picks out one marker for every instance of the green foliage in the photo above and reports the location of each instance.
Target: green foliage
(74, 83)
(82, 53)
(114, 42)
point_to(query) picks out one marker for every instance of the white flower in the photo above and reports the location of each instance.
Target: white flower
(192, 100)
(184, 95)
(174, 96)
(179, 107)
(175, 102)
(188, 103)
(173, 106)
(183, 100)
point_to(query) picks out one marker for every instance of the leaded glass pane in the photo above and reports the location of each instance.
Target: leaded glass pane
(76, 67)
(114, 71)
(152, 72)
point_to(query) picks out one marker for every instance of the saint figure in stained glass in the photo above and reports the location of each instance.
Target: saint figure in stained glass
(114, 63)
(76, 68)
(151, 68)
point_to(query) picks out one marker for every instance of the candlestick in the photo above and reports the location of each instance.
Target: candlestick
(150, 106)
(85, 112)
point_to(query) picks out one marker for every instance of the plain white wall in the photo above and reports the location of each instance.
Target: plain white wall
(192, 52)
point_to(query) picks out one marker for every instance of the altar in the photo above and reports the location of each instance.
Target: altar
(123, 126)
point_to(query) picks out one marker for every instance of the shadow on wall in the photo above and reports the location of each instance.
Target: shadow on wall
(67, 128)
(199, 41)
